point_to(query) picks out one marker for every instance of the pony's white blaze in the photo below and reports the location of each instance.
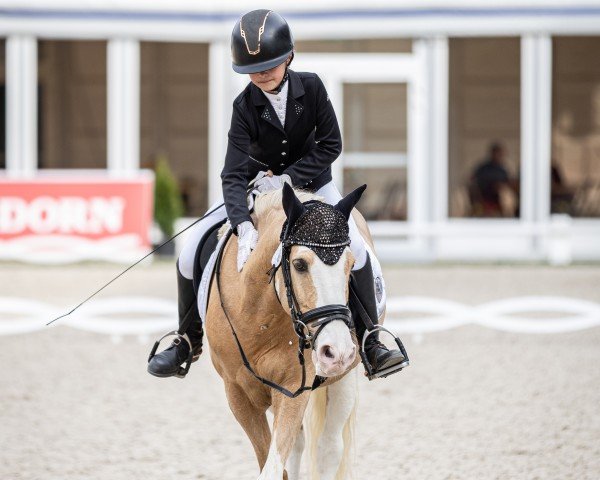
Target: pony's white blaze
(334, 350)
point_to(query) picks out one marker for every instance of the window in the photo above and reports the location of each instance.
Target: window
(575, 170)
(72, 104)
(375, 147)
(484, 127)
(174, 115)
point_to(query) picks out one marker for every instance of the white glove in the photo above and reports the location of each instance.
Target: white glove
(268, 183)
(247, 240)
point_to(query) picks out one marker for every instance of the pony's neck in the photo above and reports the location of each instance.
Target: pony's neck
(255, 272)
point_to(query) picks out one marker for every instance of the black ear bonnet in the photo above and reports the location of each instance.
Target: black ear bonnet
(317, 225)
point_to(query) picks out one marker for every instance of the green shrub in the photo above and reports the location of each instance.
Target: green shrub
(168, 205)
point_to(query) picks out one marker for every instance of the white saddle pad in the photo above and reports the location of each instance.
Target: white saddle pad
(203, 289)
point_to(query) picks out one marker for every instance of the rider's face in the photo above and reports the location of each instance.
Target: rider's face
(269, 79)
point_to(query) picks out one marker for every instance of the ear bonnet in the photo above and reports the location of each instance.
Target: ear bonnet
(322, 228)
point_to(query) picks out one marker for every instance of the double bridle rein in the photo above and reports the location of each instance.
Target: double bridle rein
(307, 325)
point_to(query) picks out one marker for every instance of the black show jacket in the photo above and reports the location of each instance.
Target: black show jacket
(304, 149)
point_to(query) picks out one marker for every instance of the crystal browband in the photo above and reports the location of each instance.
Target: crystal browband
(321, 245)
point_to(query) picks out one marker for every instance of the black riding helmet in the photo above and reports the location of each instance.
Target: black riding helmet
(260, 40)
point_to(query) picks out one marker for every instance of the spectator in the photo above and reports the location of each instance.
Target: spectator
(488, 182)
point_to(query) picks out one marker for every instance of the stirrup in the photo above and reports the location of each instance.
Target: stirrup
(370, 372)
(191, 358)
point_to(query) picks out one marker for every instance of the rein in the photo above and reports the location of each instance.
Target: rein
(317, 317)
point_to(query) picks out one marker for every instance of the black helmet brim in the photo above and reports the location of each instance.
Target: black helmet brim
(262, 66)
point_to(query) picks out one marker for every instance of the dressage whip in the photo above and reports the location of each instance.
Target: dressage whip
(249, 190)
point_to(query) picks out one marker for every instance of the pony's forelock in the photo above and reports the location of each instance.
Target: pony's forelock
(266, 202)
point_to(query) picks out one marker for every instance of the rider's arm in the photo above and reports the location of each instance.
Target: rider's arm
(328, 141)
(235, 172)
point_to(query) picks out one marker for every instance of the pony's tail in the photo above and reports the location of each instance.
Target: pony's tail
(315, 424)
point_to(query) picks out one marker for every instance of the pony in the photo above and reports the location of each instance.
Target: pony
(244, 307)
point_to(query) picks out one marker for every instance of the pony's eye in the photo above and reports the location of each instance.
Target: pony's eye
(300, 265)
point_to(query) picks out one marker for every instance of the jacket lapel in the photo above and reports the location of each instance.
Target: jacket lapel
(294, 107)
(266, 111)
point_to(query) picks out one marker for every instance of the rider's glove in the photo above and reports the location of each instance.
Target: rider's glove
(247, 239)
(268, 183)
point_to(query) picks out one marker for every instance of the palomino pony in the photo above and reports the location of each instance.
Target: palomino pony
(260, 316)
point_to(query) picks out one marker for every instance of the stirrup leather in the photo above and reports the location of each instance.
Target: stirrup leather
(371, 373)
(191, 358)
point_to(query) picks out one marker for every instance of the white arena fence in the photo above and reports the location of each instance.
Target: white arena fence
(143, 316)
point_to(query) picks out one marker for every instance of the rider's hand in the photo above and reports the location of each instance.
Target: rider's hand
(271, 182)
(247, 239)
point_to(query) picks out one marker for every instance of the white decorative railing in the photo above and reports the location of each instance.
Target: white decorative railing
(142, 316)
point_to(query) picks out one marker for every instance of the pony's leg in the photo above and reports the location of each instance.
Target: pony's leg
(289, 413)
(334, 449)
(293, 464)
(253, 421)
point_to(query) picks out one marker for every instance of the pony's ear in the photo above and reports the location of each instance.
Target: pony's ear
(346, 204)
(292, 207)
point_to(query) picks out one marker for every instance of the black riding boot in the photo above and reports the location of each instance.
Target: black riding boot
(383, 362)
(169, 362)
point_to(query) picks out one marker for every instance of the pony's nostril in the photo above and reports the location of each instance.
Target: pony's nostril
(327, 351)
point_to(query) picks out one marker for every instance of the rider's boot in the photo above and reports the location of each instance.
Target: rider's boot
(169, 362)
(382, 361)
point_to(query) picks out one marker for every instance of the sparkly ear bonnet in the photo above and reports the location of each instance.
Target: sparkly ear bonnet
(317, 225)
(321, 228)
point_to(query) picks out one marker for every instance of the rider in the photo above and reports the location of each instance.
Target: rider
(283, 130)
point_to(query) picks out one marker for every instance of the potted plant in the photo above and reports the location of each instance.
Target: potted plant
(168, 205)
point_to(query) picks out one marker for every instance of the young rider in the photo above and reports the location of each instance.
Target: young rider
(282, 123)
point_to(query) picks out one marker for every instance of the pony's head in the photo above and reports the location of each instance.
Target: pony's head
(317, 259)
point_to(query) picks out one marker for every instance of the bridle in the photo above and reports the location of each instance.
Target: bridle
(307, 325)
(319, 317)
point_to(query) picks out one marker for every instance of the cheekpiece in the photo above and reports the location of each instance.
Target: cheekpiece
(321, 228)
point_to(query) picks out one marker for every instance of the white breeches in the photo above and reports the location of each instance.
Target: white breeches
(330, 194)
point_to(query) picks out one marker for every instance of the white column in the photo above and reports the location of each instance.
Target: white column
(220, 99)
(536, 120)
(21, 105)
(335, 90)
(439, 85)
(123, 108)
(544, 127)
(418, 108)
(528, 127)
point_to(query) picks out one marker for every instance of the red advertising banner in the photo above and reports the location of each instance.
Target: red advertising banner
(55, 219)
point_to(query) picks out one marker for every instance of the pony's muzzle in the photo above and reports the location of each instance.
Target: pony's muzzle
(334, 359)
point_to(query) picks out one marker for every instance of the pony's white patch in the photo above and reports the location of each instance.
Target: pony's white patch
(276, 259)
(330, 285)
(273, 469)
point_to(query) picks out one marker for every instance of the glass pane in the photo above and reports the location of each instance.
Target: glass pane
(366, 45)
(174, 116)
(72, 104)
(375, 147)
(385, 197)
(484, 130)
(575, 170)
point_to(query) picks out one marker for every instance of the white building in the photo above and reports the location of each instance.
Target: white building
(421, 89)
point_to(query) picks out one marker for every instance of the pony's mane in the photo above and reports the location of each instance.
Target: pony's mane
(266, 202)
